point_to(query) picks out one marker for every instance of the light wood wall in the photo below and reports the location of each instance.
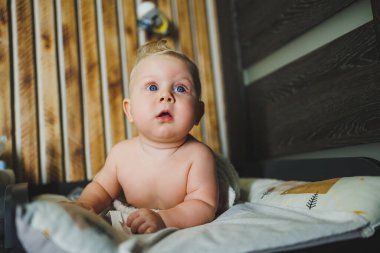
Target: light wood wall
(64, 67)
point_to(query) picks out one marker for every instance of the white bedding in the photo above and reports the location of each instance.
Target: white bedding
(274, 216)
(258, 228)
(245, 227)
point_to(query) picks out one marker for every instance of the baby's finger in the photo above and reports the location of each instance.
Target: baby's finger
(150, 230)
(132, 217)
(143, 228)
(136, 224)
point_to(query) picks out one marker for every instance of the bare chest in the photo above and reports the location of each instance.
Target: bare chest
(160, 185)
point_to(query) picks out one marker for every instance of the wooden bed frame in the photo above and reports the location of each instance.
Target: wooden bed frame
(328, 98)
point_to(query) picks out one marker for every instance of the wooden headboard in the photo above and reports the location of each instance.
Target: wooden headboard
(328, 98)
(64, 68)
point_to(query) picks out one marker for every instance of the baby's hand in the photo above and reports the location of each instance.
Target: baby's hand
(144, 221)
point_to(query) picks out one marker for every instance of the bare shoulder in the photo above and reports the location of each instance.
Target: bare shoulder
(120, 153)
(123, 146)
(198, 146)
(198, 149)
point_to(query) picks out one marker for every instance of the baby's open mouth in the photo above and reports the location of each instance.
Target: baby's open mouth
(165, 116)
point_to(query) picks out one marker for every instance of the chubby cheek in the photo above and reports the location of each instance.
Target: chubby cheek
(141, 112)
(187, 116)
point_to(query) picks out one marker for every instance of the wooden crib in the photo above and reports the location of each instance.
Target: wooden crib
(64, 69)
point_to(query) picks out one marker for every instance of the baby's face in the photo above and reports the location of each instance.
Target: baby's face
(163, 102)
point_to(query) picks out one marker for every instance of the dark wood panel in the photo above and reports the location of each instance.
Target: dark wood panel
(376, 19)
(237, 122)
(329, 98)
(264, 26)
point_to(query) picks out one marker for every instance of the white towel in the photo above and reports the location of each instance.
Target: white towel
(120, 215)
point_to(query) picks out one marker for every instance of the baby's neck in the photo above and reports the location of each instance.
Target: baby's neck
(161, 148)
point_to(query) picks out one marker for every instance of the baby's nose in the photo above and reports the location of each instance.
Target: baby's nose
(167, 97)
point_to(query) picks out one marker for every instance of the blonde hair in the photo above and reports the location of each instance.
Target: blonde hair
(157, 47)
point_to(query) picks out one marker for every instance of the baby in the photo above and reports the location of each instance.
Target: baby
(164, 167)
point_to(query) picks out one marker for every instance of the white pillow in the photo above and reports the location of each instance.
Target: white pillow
(360, 194)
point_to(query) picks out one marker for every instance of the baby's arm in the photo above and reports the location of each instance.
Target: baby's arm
(201, 201)
(99, 193)
(94, 197)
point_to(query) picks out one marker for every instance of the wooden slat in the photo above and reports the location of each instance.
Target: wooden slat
(165, 7)
(115, 85)
(28, 162)
(186, 44)
(263, 27)
(49, 83)
(92, 84)
(130, 38)
(184, 28)
(5, 84)
(73, 92)
(328, 98)
(205, 67)
(131, 31)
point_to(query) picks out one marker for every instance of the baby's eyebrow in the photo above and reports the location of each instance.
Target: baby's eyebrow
(190, 81)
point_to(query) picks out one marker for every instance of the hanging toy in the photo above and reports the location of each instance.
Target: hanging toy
(152, 19)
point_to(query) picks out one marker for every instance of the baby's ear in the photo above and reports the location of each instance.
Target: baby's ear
(127, 109)
(200, 112)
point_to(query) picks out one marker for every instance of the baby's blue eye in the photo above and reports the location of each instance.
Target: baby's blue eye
(180, 89)
(152, 87)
